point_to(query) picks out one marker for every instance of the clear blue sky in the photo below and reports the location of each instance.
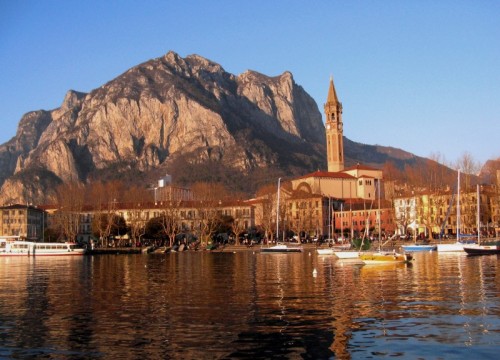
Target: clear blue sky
(423, 76)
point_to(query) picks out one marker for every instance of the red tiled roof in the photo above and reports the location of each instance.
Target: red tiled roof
(327, 174)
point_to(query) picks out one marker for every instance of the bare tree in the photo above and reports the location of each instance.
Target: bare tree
(137, 200)
(171, 219)
(105, 199)
(469, 167)
(267, 210)
(70, 200)
(208, 200)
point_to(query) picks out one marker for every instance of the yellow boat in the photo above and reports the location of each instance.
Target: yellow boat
(385, 257)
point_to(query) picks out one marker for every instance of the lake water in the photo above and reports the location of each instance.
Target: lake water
(246, 305)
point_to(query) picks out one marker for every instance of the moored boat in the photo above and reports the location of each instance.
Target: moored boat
(419, 247)
(453, 247)
(281, 248)
(347, 254)
(385, 257)
(462, 239)
(489, 248)
(486, 248)
(333, 249)
(31, 248)
(457, 246)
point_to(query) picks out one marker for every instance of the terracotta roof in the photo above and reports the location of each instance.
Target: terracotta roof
(327, 174)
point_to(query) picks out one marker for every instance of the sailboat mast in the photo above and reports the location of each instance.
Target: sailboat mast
(329, 218)
(458, 206)
(478, 217)
(278, 211)
(379, 229)
(342, 221)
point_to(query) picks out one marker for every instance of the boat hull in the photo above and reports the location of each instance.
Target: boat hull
(454, 247)
(269, 250)
(281, 249)
(28, 248)
(333, 249)
(414, 248)
(385, 258)
(482, 249)
(325, 251)
(346, 254)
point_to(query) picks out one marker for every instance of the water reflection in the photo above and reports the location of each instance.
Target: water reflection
(247, 305)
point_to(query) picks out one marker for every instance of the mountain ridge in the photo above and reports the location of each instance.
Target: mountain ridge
(178, 115)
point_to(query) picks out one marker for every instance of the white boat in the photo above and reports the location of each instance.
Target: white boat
(347, 254)
(452, 247)
(325, 251)
(333, 249)
(458, 245)
(31, 248)
(281, 248)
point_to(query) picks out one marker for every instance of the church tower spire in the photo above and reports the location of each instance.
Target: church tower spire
(334, 131)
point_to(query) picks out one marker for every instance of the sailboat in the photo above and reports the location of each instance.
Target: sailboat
(383, 257)
(488, 248)
(458, 245)
(332, 248)
(418, 247)
(280, 248)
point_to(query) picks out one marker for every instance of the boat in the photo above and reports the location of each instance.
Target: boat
(347, 254)
(489, 248)
(461, 240)
(281, 248)
(451, 247)
(32, 248)
(333, 249)
(385, 257)
(419, 247)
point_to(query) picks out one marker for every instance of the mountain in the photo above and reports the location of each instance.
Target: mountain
(185, 116)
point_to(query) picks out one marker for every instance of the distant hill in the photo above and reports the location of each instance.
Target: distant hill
(185, 116)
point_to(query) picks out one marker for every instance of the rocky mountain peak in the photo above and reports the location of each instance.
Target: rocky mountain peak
(163, 110)
(72, 99)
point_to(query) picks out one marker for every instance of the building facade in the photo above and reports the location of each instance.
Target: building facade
(27, 222)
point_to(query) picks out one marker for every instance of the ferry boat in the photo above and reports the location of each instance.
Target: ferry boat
(31, 248)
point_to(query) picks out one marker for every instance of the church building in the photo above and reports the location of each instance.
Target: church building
(355, 182)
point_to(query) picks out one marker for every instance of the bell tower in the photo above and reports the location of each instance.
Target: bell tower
(334, 131)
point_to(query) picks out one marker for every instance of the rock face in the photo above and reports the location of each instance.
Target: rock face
(154, 113)
(185, 116)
